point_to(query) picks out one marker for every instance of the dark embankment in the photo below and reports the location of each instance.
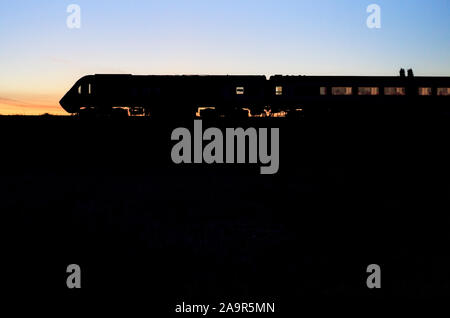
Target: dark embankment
(105, 194)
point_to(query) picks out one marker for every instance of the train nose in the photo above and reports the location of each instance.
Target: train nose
(63, 102)
(68, 104)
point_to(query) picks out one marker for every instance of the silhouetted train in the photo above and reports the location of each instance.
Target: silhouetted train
(213, 95)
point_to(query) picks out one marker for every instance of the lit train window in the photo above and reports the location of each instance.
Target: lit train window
(443, 91)
(279, 90)
(79, 90)
(425, 91)
(368, 91)
(397, 91)
(341, 91)
(323, 91)
(89, 89)
(240, 90)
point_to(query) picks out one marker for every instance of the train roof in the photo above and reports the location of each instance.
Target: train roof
(325, 80)
(296, 77)
(349, 80)
(183, 76)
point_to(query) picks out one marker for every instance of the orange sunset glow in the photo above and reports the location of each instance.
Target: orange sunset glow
(31, 106)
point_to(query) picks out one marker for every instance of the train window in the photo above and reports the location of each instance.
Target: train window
(368, 91)
(425, 91)
(279, 90)
(323, 91)
(90, 89)
(443, 91)
(79, 90)
(397, 91)
(341, 91)
(240, 90)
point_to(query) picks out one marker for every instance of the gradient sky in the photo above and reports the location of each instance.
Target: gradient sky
(41, 58)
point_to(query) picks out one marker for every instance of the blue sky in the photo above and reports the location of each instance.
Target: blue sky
(40, 58)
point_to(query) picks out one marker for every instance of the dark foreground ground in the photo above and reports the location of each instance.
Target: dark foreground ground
(105, 195)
